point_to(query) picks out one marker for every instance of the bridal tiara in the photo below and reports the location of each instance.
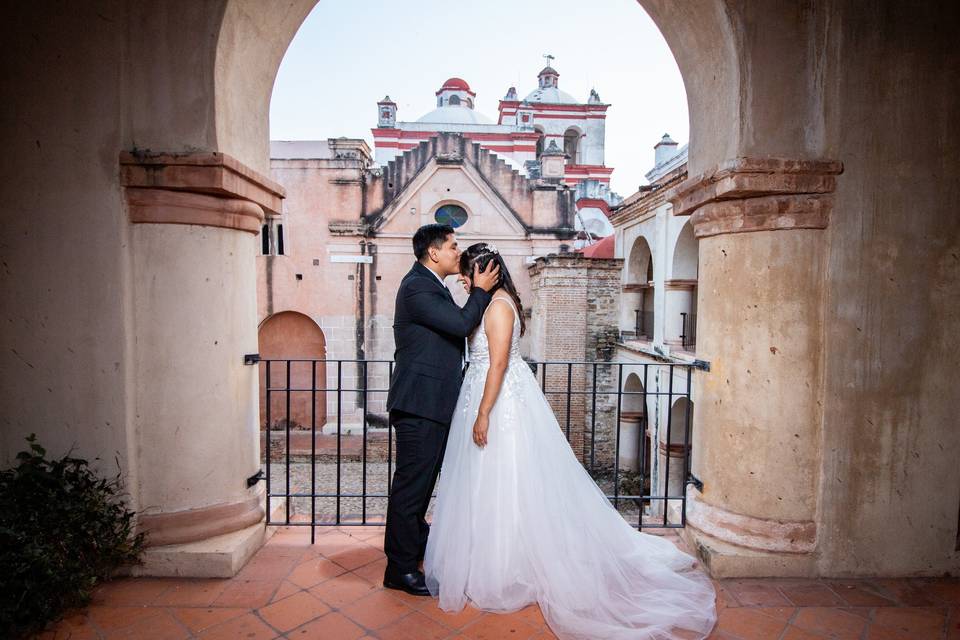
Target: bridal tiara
(492, 248)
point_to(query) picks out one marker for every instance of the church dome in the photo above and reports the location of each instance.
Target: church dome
(550, 95)
(455, 115)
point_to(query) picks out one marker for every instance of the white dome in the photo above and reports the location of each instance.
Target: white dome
(551, 95)
(455, 115)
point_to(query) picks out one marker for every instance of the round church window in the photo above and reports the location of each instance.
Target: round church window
(451, 214)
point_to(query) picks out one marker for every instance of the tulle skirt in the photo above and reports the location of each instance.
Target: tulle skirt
(521, 521)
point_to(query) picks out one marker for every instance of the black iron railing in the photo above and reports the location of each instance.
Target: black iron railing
(688, 329)
(328, 449)
(643, 323)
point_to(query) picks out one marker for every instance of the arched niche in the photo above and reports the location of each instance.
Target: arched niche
(290, 335)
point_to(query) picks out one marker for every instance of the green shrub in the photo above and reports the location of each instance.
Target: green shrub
(62, 530)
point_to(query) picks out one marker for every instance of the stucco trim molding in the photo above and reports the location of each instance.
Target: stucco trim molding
(758, 194)
(785, 536)
(679, 285)
(199, 524)
(160, 206)
(674, 450)
(211, 173)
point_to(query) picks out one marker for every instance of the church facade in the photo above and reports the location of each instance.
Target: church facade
(547, 119)
(533, 183)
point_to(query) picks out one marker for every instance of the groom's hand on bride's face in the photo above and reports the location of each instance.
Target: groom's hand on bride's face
(488, 278)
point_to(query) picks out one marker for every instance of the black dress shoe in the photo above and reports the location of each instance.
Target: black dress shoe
(412, 583)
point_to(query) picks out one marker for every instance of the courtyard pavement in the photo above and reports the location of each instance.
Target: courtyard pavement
(331, 590)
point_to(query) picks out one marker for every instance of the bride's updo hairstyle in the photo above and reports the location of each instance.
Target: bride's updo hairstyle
(481, 254)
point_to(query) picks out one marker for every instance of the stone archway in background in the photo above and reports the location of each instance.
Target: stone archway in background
(289, 335)
(637, 314)
(680, 291)
(634, 436)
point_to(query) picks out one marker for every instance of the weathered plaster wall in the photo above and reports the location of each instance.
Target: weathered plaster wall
(245, 72)
(64, 364)
(892, 339)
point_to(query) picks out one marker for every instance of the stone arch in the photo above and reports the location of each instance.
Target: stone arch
(679, 411)
(634, 454)
(637, 302)
(676, 449)
(640, 262)
(251, 41)
(680, 296)
(711, 75)
(685, 261)
(292, 335)
(571, 144)
(540, 140)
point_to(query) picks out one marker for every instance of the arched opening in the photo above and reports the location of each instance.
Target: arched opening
(637, 301)
(635, 447)
(674, 448)
(296, 347)
(555, 118)
(685, 259)
(681, 291)
(454, 101)
(571, 145)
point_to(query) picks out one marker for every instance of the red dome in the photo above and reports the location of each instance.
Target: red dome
(603, 249)
(456, 84)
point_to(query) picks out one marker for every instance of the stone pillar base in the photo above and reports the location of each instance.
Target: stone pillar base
(725, 560)
(218, 557)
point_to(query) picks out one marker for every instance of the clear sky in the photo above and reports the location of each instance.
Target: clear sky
(350, 53)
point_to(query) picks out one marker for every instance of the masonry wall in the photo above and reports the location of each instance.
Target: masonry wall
(574, 321)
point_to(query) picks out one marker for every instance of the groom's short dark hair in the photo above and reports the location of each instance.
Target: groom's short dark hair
(430, 235)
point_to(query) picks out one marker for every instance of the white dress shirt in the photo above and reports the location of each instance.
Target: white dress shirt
(466, 341)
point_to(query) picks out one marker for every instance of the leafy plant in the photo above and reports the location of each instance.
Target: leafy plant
(63, 529)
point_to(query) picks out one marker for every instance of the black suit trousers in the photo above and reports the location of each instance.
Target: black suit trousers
(420, 446)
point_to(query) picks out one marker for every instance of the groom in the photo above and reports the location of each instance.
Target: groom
(429, 330)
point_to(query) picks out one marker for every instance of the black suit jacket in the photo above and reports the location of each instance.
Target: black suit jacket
(429, 330)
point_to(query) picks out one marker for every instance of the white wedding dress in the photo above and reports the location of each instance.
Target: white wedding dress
(521, 521)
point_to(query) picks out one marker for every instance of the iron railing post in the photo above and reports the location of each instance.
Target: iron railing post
(287, 430)
(313, 451)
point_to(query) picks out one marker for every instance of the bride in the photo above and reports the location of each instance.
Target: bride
(518, 520)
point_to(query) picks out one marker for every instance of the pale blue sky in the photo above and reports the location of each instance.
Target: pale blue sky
(349, 54)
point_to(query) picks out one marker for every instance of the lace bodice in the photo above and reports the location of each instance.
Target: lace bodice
(479, 348)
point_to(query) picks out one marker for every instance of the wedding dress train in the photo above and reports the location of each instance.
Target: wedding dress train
(521, 521)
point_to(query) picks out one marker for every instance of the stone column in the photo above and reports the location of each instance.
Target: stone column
(679, 296)
(195, 220)
(757, 427)
(630, 440)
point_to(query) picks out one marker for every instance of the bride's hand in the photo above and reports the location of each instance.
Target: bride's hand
(480, 428)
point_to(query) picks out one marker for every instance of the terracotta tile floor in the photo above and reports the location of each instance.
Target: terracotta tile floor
(331, 590)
